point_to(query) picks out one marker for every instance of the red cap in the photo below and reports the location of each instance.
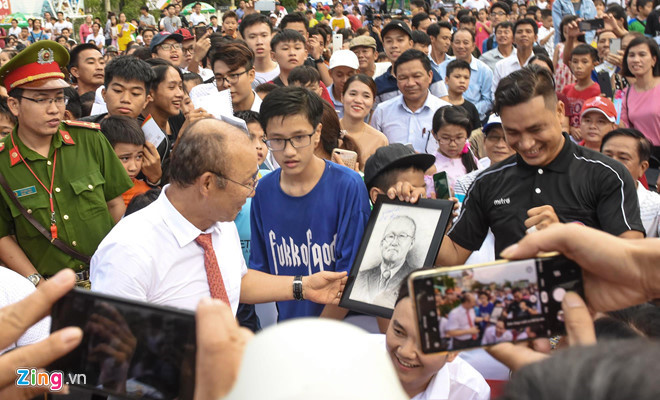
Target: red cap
(185, 33)
(602, 105)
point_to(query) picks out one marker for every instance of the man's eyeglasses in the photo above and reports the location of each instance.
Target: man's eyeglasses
(251, 187)
(296, 142)
(232, 79)
(389, 238)
(59, 100)
(189, 49)
(499, 14)
(171, 46)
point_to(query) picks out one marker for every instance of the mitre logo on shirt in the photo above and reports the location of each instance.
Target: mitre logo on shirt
(502, 201)
(309, 254)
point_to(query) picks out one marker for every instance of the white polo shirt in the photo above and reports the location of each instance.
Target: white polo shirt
(152, 256)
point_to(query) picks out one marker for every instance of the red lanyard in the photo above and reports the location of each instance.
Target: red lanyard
(53, 227)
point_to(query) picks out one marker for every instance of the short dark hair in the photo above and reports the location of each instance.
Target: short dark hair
(86, 103)
(130, 69)
(584, 50)
(235, 55)
(145, 8)
(526, 21)
(545, 13)
(619, 13)
(412, 55)
(293, 18)
(545, 59)
(140, 201)
(434, 29)
(160, 68)
(317, 31)
(504, 25)
(289, 101)
(287, 35)
(523, 85)
(642, 4)
(468, 19)
(304, 75)
(73, 105)
(502, 6)
(462, 30)
(192, 77)
(253, 19)
(456, 115)
(75, 52)
(421, 37)
(122, 129)
(457, 64)
(418, 18)
(4, 110)
(248, 116)
(643, 144)
(142, 53)
(229, 14)
(653, 49)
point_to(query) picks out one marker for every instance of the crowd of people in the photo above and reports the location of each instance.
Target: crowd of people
(172, 159)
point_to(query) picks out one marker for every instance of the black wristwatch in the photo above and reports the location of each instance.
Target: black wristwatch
(297, 288)
(319, 60)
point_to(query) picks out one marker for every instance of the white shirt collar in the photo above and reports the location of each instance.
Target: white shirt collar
(182, 229)
(429, 99)
(438, 388)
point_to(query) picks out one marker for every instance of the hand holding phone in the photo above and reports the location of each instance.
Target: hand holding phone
(348, 157)
(441, 185)
(528, 292)
(615, 45)
(592, 24)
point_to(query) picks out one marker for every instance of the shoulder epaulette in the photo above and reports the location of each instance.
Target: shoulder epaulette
(83, 124)
(2, 146)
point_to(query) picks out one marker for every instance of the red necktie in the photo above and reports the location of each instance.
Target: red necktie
(467, 311)
(216, 284)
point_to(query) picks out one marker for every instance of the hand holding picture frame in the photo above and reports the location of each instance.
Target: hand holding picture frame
(400, 238)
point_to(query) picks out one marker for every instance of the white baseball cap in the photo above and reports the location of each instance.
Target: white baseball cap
(316, 358)
(344, 58)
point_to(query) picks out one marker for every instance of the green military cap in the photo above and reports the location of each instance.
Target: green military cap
(36, 67)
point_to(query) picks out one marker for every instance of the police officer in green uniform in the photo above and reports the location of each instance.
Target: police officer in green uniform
(63, 174)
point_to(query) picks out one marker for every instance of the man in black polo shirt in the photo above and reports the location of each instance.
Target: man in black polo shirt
(549, 180)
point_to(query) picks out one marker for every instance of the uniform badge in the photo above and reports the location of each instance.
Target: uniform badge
(45, 56)
(25, 191)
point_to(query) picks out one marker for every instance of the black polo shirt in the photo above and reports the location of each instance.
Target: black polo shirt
(580, 184)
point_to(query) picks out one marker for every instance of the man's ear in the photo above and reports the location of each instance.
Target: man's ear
(373, 194)
(74, 72)
(12, 103)
(68, 116)
(645, 166)
(451, 356)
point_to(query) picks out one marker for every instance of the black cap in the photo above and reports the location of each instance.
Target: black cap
(161, 37)
(396, 155)
(396, 24)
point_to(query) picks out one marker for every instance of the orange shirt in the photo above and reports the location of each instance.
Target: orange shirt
(139, 187)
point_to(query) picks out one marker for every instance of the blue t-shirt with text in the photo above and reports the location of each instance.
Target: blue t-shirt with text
(320, 231)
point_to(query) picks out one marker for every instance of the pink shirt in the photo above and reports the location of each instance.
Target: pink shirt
(641, 110)
(452, 166)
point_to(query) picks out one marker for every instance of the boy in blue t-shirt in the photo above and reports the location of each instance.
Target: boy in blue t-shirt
(309, 215)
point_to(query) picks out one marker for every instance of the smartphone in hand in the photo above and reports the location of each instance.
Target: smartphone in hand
(591, 24)
(348, 157)
(528, 292)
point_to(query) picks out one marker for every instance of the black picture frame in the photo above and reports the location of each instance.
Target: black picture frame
(430, 218)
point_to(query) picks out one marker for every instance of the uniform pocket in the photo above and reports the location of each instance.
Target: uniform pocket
(89, 189)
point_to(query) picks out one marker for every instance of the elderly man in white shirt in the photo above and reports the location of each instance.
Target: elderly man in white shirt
(525, 33)
(462, 324)
(184, 246)
(408, 117)
(632, 149)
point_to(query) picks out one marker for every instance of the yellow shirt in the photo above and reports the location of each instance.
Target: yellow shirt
(124, 35)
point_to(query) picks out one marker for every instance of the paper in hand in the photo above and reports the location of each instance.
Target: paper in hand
(152, 132)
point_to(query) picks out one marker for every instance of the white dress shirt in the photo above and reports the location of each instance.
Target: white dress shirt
(256, 104)
(505, 67)
(456, 380)
(196, 19)
(649, 210)
(490, 337)
(401, 125)
(457, 320)
(476, 4)
(152, 256)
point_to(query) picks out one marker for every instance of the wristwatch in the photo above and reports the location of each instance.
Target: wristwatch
(297, 288)
(35, 278)
(319, 60)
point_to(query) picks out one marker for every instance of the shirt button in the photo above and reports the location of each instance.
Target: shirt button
(74, 243)
(537, 190)
(66, 217)
(49, 163)
(90, 187)
(29, 211)
(540, 171)
(58, 190)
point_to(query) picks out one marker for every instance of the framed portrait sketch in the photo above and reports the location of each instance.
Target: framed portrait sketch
(400, 238)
